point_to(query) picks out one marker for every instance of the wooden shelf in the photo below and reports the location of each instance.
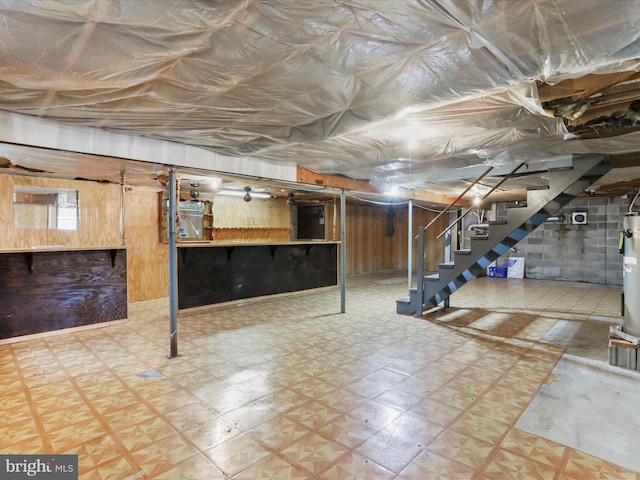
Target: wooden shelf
(252, 227)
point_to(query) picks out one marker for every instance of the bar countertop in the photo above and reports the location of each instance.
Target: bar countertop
(254, 244)
(60, 248)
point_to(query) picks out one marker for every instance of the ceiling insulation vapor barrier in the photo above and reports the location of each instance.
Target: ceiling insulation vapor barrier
(410, 93)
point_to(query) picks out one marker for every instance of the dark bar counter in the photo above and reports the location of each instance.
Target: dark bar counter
(48, 289)
(210, 273)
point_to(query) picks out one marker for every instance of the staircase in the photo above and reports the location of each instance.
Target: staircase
(564, 185)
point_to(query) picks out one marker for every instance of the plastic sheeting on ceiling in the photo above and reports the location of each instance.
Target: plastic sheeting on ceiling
(405, 92)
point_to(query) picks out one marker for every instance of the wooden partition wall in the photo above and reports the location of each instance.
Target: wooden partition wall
(371, 244)
(148, 257)
(377, 238)
(260, 220)
(99, 226)
(99, 209)
(53, 279)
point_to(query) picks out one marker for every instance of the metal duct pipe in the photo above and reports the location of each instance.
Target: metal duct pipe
(478, 226)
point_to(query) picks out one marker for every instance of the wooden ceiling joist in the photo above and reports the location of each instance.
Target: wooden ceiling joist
(333, 181)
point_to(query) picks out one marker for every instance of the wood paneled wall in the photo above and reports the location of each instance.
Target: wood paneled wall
(147, 256)
(235, 212)
(260, 221)
(434, 248)
(99, 223)
(370, 244)
(373, 245)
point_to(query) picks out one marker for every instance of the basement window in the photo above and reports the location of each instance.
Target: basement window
(45, 208)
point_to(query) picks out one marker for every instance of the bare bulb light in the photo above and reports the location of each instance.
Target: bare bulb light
(194, 193)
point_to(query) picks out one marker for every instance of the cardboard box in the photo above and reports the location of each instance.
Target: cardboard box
(516, 267)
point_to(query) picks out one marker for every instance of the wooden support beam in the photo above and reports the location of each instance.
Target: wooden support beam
(344, 183)
(584, 87)
(625, 160)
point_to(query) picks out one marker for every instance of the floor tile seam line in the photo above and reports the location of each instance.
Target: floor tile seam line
(497, 446)
(44, 436)
(105, 425)
(516, 419)
(350, 448)
(277, 454)
(566, 456)
(495, 449)
(145, 361)
(87, 349)
(361, 455)
(447, 428)
(473, 333)
(117, 341)
(141, 400)
(421, 449)
(456, 375)
(227, 476)
(475, 402)
(444, 429)
(532, 343)
(258, 439)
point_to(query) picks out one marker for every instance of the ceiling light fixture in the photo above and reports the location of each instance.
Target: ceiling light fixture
(413, 133)
(242, 193)
(392, 192)
(194, 192)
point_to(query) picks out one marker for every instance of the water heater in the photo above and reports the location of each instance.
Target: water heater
(630, 239)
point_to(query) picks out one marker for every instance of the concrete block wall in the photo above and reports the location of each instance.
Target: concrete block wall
(583, 253)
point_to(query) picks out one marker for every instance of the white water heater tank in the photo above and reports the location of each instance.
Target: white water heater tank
(631, 274)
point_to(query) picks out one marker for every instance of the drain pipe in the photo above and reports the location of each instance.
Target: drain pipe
(410, 245)
(172, 221)
(343, 251)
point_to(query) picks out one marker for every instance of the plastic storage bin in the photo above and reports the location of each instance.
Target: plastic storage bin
(498, 272)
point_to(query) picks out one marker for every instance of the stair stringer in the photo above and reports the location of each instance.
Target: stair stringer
(564, 185)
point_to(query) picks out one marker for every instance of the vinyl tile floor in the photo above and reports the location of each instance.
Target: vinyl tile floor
(290, 388)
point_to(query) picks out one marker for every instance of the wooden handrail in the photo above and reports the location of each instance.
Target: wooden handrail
(484, 174)
(507, 177)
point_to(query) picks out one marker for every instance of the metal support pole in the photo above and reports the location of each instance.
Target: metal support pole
(447, 258)
(343, 251)
(410, 245)
(172, 224)
(123, 176)
(420, 274)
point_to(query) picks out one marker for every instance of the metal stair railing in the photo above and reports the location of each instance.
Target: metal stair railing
(564, 185)
(493, 189)
(466, 190)
(420, 266)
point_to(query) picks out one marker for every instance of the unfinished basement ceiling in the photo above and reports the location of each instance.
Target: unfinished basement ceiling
(420, 94)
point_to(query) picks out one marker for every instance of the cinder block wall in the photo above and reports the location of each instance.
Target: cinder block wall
(583, 253)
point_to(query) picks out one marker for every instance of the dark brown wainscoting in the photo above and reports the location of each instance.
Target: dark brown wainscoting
(209, 275)
(46, 291)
